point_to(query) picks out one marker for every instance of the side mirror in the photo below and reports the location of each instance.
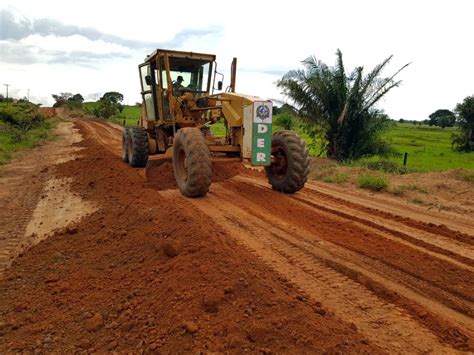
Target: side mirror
(148, 80)
(219, 85)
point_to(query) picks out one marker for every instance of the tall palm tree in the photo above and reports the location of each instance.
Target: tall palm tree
(343, 104)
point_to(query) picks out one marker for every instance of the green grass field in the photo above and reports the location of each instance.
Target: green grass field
(428, 148)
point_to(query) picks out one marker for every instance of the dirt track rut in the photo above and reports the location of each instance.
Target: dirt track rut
(24, 180)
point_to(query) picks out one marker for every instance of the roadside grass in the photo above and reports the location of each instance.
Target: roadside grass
(400, 190)
(328, 171)
(336, 177)
(372, 182)
(131, 115)
(33, 139)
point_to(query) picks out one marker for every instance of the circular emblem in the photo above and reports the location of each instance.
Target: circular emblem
(263, 112)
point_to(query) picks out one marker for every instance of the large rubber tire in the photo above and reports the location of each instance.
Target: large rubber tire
(137, 149)
(125, 139)
(289, 169)
(192, 162)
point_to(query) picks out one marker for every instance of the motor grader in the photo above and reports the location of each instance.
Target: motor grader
(181, 100)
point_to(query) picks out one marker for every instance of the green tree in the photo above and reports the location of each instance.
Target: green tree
(442, 118)
(112, 96)
(61, 99)
(75, 102)
(109, 105)
(464, 140)
(345, 105)
(77, 98)
(66, 99)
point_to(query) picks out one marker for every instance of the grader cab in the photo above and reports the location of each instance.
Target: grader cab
(179, 105)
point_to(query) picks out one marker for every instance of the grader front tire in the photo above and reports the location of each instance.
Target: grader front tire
(289, 169)
(137, 147)
(192, 162)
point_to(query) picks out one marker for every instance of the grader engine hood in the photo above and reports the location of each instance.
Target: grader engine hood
(257, 138)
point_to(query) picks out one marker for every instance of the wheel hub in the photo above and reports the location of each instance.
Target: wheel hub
(279, 164)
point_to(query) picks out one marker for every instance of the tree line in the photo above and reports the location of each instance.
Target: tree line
(109, 105)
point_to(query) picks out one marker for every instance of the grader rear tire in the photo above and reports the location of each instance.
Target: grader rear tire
(137, 149)
(192, 162)
(125, 139)
(289, 169)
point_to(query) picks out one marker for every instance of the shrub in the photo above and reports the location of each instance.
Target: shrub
(372, 182)
(285, 120)
(20, 119)
(383, 165)
(107, 109)
(337, 178)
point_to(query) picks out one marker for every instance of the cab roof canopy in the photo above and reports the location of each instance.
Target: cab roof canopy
(179, 54)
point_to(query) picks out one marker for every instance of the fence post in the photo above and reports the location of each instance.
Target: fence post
(404, 168)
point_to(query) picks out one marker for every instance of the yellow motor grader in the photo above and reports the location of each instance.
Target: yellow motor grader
(179, 104)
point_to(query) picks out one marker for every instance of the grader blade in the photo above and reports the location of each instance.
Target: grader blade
(153, 165)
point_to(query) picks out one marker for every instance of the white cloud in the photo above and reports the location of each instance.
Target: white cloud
(72, 43)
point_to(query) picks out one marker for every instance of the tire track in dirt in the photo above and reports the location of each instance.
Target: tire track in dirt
(340, 257)
(381, 322)
(18, 204)
(345, 233)
(106, 134)
(438, 245)
(422, 218)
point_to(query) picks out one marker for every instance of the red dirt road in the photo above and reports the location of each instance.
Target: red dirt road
(320, 271)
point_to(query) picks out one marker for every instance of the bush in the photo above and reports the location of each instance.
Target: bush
(372, 182)
(20, 119)
(383, 165)
(285, 120)
(68, 100)
(107, 109)
(109, 105)
(337, 178)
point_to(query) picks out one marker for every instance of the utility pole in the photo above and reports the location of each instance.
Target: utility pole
(7, 85)
(28, 95)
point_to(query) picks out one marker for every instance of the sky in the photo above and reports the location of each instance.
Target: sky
(91, 47)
